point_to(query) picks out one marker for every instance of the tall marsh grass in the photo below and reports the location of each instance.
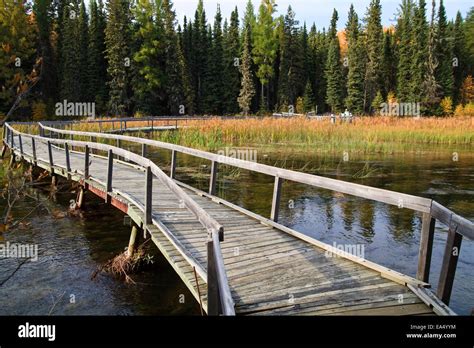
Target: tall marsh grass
(367, 134)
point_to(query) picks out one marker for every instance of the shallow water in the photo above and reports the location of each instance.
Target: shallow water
(72, 247)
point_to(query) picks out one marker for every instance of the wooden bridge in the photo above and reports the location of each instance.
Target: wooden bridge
(232, 260)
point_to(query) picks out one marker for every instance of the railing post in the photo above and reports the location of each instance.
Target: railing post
(33, 149)
(21, 145)
(144, 150)
(276, 199)
(148, 196)
(213, 301)
(448, 268)
(110, 166)
(173, 164)
(68, 160)
(86, 165)
(213, 180)
(426, 247)
(50, 155)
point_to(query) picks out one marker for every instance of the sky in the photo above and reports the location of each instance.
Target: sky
(317, 11)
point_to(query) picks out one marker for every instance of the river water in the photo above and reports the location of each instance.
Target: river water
(71, 248)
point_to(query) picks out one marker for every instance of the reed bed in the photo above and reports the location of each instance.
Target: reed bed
(366, 134)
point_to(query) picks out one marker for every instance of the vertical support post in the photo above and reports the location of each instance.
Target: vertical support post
(144, 150)
(68, 160)
(125, 124)
(426, 247)
(12, 139)
(148, 196)
(33, 149)
(152, 120)
(212, 285)
(21, 144)
(450, 261)
(121, 128)
(50, 155)
(173, 164)
(276, 199)
(213, 180)
(110, 167)
(118, 142)
(86, 165)
(133, 241)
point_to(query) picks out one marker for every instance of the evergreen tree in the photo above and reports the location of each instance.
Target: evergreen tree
(291, 74)
(444, 71)
(83, 43)
(389, 64)
(185, 73)
(215, 86)
(374, 48)
(265, 47)
(356, 64)
(174, 87)
(117, 39)
(420, 52)
(430, 86)
(334, 68)
(308, 98)
(97, 76)
(405, 51)
(231, 65)
(43, 10)
(459, 56)
(247, 91)
(70, 58)
(149, 60)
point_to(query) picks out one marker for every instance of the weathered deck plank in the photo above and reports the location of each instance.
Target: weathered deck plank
(269, 271)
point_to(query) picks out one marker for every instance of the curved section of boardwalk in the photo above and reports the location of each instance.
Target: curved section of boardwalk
(270, 270)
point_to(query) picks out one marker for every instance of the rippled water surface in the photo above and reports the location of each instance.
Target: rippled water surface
(72, 247)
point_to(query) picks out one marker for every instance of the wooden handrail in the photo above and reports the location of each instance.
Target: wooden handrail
(215, 230)
(385, 196)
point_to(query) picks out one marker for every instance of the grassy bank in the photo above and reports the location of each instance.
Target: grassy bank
(365, 135)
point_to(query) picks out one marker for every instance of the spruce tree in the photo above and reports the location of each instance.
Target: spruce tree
(420, 52)
(83, 55)
(43, 10)
(174, 87)
(374, 48)
(444, 71)
(459, 56)
(97, 72)
(308, 98)
(334, 68)
(291, 74)
(404, 33)
(356, 64)
(117, 39)
(247, 91)
(231, 65)
(215, 85)
(265, 48)
(70, 57)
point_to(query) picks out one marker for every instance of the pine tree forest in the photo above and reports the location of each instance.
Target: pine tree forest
(139, 57)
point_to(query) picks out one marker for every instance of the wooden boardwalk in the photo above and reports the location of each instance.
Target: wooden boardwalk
(259, 267)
